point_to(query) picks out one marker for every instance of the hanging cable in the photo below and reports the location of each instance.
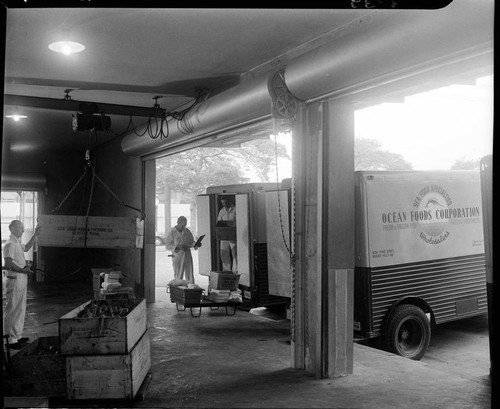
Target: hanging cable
(157, 125)
(279, 200)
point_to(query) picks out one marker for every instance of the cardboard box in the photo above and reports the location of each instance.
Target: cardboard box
(117, 376)
(38, 369)
(121, 293)
(223, 280)
(97, 279)
(106, 335)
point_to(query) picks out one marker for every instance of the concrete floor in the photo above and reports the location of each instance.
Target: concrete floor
(243, 361)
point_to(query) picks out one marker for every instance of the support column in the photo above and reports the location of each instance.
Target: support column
(324, 234)
(338, 237)
(149, 250)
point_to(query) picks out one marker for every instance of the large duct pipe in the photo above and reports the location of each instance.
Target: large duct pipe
(379, 48)
(245, 102)
(24, 181)
(383, 47)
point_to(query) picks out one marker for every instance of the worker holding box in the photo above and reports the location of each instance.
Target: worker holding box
(179, 241)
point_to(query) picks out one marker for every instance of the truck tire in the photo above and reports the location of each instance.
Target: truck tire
(408, 332)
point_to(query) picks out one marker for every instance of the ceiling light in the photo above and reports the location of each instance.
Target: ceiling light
(16, 117)
(66, 47)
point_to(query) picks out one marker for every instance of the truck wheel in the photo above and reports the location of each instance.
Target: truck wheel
(408, 332)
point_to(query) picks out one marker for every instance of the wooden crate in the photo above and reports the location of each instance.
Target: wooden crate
(109, 376)
(37, 371)
(107, 335)
(96, 232)
(185, 295)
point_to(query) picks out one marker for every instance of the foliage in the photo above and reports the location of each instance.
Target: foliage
(466, 164)
(191, 172)
(368, 155)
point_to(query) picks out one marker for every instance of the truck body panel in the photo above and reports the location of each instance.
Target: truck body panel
(419, 236)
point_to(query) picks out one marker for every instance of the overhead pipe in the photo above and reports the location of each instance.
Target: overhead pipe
(24, 181)
(378, 50)
(385, 46)
(242, 103)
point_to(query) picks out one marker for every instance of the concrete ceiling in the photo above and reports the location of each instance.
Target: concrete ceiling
(134, 55)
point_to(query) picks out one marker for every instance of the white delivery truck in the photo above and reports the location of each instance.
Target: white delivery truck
(419, 255)
(419, 250)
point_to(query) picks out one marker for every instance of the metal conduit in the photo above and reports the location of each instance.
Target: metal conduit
(383, 46)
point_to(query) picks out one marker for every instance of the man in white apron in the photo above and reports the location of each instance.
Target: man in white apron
(17, 283)
(179, 241)
(228, 248)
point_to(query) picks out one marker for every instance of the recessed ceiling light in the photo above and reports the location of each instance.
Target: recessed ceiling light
(16, 117)
(67, 47)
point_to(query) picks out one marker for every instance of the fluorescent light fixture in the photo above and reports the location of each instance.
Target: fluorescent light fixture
(67, 47)
(16, 117)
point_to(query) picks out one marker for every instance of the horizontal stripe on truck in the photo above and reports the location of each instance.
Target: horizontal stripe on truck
(439, 282)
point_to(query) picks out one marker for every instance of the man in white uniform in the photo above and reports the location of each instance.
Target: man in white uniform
(17, 283)
(228, 247)
(179, 241)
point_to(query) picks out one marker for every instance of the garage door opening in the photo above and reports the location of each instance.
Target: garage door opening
(22, 205)
(181, 177)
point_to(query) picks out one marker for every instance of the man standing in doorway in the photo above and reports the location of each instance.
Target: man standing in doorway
(17, 283)
(228, 247)
(179, 241)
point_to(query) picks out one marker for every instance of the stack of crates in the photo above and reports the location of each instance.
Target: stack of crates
(106, 357)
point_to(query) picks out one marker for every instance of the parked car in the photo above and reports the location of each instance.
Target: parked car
(159, 238)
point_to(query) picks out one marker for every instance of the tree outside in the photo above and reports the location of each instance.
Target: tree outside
(466, 164)
(188, 174)
(369, 155)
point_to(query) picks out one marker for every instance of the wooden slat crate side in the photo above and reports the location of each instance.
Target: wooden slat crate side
(94, 336)
(141, 362)
(38, 375)
(136, 324)
(102, 232)
(98, 377)
(108, 376)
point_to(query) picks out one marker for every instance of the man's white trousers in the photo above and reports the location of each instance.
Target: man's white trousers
(15, 308)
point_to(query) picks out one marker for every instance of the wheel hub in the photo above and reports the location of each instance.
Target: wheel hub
(405, 334)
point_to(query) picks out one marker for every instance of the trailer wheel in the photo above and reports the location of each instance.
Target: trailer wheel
(408, 332)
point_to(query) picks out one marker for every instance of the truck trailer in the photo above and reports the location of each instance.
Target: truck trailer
(419, 255)
(419, 250)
